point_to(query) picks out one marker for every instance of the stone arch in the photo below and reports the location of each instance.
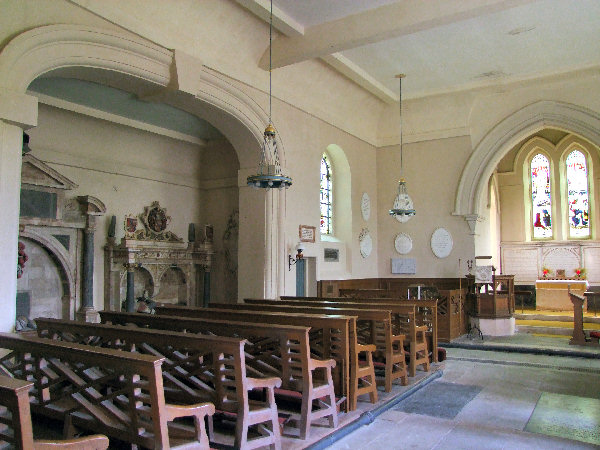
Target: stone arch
(178, 79)
(506, 134)
(44, 49)
(66, 271)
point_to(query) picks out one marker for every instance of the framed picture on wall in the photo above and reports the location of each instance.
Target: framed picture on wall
(306, 233)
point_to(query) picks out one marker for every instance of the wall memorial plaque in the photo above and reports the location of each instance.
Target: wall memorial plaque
(404, 265)
(403, 243)
(306, 233)
(441, 243)
(365, 206)
(331, 255)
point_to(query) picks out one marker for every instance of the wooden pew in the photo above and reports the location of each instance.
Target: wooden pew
(330, 337)
(196, 368)
(275, 350)
(404, 314)
(15, 417)
(374, 326)
(426, 309)
(106, 391)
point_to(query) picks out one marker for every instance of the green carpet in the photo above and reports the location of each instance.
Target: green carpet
(567, 416)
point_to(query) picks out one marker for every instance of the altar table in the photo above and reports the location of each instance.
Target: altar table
(554, 294)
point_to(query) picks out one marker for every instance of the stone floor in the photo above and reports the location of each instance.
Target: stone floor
(503, 396)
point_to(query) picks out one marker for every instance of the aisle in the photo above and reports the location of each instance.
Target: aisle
(497, 400)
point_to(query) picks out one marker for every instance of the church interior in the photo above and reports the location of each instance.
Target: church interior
(300, 224)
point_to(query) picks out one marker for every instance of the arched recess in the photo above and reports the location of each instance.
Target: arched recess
(342, 193)
(172, 77)
(58, 254)
(143, 283)
(505, 135)
(342, 213)
(173, 286)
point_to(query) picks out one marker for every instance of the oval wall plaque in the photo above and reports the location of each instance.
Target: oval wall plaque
(441, 243)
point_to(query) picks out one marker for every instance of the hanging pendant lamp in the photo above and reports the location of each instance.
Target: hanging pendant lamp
(403, 204)
(269, 173)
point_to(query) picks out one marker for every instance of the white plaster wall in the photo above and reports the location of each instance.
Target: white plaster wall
(431, 170)
(19, 15)
(305, 138)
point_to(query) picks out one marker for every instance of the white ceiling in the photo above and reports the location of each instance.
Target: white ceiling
(442, 46)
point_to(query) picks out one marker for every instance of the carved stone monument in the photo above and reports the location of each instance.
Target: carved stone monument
(154, 259)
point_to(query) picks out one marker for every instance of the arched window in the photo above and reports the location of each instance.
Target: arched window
(541, 198)
(326, 196)
(578, 195)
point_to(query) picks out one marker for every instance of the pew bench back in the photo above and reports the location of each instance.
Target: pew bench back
(274, 350)
(331, 337)
(105, 391)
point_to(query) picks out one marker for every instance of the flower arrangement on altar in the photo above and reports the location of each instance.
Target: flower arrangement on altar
(546, 272)
(580, 273)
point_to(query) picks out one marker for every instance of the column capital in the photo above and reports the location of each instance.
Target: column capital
(472, 220)
(18, 109)
(91, 207)
(130, 267)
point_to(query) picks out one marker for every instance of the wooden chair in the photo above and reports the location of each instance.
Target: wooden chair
(196, 368)
(119, 394)
(16, 429)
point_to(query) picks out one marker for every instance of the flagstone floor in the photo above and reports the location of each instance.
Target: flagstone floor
(494, 400)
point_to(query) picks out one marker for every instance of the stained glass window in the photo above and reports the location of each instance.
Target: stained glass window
(577, 195)
(326, 225)
(541, 197)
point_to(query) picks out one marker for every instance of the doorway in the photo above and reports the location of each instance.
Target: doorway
(306, 277)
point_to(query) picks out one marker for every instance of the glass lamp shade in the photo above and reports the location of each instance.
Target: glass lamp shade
(269, 174)
(403, 205)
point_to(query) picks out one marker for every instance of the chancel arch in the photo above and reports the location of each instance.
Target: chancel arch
(501, 138)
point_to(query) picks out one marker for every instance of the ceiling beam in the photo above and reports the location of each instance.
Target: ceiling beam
(287, 26)
(282, 22)
(375, 25)
(360, 77)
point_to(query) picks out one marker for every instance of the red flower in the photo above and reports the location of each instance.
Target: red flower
(578, 271)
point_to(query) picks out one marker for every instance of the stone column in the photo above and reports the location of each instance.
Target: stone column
(92, 207)
(206, 296)
(17, 112)
(130, 297)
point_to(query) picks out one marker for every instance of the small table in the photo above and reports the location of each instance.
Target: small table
(553, 295)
